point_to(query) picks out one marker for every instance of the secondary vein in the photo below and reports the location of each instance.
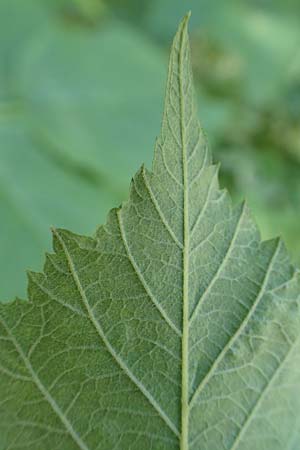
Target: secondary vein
(55, 407)
(107, 343)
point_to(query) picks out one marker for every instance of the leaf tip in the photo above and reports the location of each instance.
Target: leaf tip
(187, 16)
(185, 21)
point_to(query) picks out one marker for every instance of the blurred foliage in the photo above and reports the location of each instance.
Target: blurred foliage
(81, 89)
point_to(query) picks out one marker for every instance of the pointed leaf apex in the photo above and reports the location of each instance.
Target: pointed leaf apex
(183, 26)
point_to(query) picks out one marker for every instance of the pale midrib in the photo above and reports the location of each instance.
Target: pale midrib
(68, 426)
(260, 399)
(108, 345)
(184, 438)
(239, 331)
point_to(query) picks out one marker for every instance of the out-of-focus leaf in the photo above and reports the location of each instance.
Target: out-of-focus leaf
(95, 95)
(83, 111)
(18, 22)
(35, 194)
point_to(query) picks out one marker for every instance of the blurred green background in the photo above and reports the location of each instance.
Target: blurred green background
(81, 94)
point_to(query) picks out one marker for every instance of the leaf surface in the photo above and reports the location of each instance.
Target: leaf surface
(175, 327)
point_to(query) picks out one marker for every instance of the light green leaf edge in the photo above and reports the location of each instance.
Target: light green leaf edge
(173, 328)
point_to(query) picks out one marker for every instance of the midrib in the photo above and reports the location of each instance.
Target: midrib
(185, 297)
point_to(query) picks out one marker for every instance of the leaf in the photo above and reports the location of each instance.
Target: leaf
(242, 104)
(173, 328)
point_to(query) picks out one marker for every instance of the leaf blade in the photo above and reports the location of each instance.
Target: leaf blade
(170, 329)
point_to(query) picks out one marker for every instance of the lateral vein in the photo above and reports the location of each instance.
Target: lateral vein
(142, 279)
(67, 424)
(159, 211)
(108, 345)
(260, 399)
(220, 268)
(238, 332)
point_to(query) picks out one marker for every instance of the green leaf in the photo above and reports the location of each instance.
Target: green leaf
(175, 327)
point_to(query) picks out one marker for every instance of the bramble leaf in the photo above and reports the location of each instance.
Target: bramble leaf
(174, 327)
